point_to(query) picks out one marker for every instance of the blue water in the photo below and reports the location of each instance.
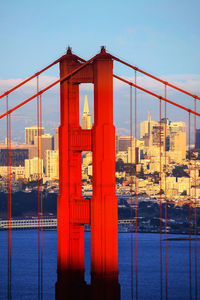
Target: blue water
(24, 266)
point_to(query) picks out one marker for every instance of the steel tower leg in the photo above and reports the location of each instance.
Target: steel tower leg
(104, 204)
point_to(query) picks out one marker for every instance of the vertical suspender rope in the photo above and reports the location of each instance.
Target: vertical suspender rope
(136, 252)
(160, 107)
(38, 155)
(189, 206)
(41, 202)
(10, 203)
(9, 198)
(165, 150)
(195, 203)
(131, 173)
(131, 190)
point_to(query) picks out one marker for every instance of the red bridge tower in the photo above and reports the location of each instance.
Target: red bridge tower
(73, 211)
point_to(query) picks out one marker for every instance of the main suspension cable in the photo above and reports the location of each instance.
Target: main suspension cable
(155, 95)
(37, 74)
(66, 77)
(156, 78)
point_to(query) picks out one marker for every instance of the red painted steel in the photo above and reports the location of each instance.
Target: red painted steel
(102, 211)
(80, 140)
(156, 96)
(36, 75)
(40, 196)
(136, 200)
(38, 165)
(195, 202)
(104, 207)
(165, 152)
(161, 267)
(67, 76)
(70, 234)
(29, 78)
(9, 202)
(189, 206)
(131, 190)
(115, 76)
(156, 78)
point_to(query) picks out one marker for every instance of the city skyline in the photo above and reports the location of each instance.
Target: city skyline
(102, 135)
(154, 43)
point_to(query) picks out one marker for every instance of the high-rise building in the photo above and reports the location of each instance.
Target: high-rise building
(56, 140)
(198, 139)
(178, 143)
(177, 127)
(33, 167)
(52, 164)
(124, 142)
(158, 136)
(86, 117)
(46, 140)
(153, 134)
(116, 143)
(87, 159)
(146, 128)
(31, 132)
(134, 152)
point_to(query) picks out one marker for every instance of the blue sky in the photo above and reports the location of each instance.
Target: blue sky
(162, 37)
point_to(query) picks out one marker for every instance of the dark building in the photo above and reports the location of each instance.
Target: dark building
(17, 157)
(124, 143)
(198, 140)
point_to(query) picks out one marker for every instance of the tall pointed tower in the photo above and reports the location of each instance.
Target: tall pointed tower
(86, 117)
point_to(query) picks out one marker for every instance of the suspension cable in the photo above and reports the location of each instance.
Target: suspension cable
(29, 78)
(37, 74)
(66, 77)
(154, 95)
(156, 78)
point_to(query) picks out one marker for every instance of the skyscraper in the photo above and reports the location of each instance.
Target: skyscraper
(33, 167)
(56, 140)
(198, 139)
(46, 140)
(86, 117)
(146, 128)
(31, 132)
(52, 164)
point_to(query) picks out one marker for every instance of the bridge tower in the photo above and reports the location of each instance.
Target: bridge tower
(73, 211)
